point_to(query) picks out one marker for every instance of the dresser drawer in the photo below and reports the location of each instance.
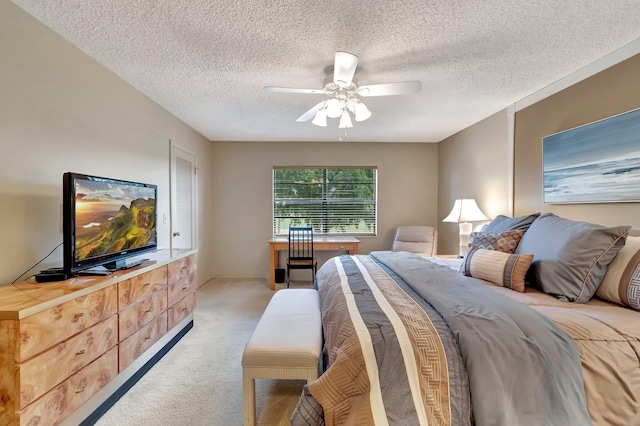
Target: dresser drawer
(181, 288)
(341, 246)
(40, 331)
(44, 371)
(140, 313)
(181, 309)
(136, 344)
(136, 288)
(69, 395)
(182, 268)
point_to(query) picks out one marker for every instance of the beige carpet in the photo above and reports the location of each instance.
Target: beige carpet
(199, 381)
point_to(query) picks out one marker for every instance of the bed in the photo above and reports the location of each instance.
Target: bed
(413, 340)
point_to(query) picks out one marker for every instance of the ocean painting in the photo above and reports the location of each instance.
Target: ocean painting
(595, 163)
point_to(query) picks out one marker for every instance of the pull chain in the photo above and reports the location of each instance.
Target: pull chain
(345, 139)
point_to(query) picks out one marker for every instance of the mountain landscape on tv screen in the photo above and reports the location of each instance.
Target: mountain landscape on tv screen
(102, 229)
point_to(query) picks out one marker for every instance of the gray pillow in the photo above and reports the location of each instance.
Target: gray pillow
(503, 223)
(570, 257)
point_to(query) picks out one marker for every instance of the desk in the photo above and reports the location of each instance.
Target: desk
(320, 243)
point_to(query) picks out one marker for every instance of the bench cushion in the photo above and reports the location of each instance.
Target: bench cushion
(289, 333)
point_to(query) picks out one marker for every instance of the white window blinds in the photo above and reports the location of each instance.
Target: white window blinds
(332, 200)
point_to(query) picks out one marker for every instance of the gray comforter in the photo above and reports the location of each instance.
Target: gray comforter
(518, 367)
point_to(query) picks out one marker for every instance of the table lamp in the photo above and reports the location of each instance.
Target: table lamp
(465, 210)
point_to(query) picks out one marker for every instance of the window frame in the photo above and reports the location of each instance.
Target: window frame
(373, 233)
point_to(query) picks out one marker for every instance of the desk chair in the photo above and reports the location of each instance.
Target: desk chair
(301, 251)
(416, 239)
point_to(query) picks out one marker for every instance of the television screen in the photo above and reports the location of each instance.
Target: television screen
(106, 220)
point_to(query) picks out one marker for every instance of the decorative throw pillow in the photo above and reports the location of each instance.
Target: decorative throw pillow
(621, 283)
(503, 269)
(503, 223)
(570, 257)
(506, 242)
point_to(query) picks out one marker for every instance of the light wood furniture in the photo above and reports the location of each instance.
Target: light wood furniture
(68, 348)
(285, 344)
(320, 243)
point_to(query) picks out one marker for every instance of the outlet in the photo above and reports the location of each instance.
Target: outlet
(164, 218)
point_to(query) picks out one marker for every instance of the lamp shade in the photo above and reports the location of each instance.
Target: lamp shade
(465, 210)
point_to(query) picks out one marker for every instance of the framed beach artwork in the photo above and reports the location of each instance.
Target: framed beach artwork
(598, 162)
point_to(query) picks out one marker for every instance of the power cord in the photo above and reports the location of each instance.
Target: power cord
(37, 263)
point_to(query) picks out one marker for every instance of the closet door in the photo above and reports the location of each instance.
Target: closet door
(183, 200)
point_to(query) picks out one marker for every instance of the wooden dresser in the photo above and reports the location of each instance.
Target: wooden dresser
(70, 349)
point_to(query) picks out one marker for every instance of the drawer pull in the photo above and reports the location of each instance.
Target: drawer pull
(147, 311)
(184, 309)
(78, 315)
(184, 288)
(147, 283)
(342, 247)
(80, 390)
(147, 337)
(82, 352)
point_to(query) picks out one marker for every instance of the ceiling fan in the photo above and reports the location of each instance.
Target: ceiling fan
(344, 94)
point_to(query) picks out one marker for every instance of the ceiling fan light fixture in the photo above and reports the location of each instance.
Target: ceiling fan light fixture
(333, 108)
(343, 94)
(362, 112)
(320, 119)
(345, 120)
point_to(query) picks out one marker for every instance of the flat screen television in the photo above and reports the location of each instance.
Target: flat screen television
(106, 221)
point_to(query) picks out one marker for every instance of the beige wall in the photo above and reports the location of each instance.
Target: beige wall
(242, 192)
(61, 111)
(473, 163)
(607, 93)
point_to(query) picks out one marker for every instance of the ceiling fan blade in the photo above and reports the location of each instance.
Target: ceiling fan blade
(311, 113)
(344, 68)
(293, 90)
(390, 89)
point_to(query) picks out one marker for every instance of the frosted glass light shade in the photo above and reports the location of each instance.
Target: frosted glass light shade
(334, 109)
(345, 120)
(320, 119)
(362, 112)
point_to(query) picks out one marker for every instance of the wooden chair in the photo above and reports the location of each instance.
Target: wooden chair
(301, 251)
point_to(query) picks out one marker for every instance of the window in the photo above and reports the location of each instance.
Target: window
(332, 200)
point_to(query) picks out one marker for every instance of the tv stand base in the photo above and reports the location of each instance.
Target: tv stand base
(123, 264)
(93, 272)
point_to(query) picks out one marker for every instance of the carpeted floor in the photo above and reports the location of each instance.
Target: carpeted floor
(199, 381)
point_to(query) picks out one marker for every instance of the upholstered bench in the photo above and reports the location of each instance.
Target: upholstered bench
(285, 344)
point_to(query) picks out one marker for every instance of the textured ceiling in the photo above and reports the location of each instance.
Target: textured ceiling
(207, 61)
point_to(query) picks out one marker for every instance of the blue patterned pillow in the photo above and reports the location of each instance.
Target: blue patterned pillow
(506, 242)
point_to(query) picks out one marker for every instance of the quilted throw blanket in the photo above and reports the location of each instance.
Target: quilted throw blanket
(409, 342)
